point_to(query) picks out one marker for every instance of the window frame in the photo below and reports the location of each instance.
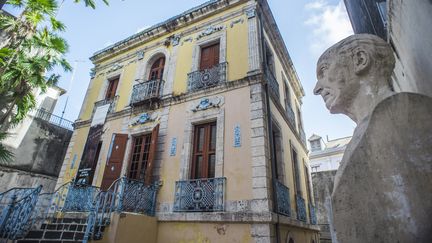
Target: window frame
(110, 93)
(205, 152)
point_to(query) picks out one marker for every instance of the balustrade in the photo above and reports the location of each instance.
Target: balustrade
(206, 78)
(200, 195)
(147, 91)
(301, 208)
(283, 199)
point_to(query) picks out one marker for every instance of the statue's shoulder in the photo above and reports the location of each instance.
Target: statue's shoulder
(405, 102)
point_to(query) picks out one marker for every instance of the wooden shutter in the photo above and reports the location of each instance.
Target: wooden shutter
(209, 56)
(115, 160)
(204, 152)
(112, 88)
(152, 155)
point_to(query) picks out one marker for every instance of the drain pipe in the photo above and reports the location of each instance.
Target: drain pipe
(269, 121)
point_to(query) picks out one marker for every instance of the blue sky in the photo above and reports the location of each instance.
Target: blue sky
(308, 28)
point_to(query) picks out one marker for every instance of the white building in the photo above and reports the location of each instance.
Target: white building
(326, 156)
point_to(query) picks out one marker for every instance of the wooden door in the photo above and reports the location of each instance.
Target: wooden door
(204, 151)
(152, 155)
(112, 88)
(157, 69)
(114, 160)
(209, 56)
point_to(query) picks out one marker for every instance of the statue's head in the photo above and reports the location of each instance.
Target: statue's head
(360, 62)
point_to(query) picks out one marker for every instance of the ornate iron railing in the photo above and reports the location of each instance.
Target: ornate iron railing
(312, 214)
(301, 208)
(273, 84)
(302, 136)
(206, 78)
(53, 119)
(283, 199)
(16, 207)
(291, 116)
(201, 195)
(146, 91)
(79, 198)
(112, 102)
(124, 195)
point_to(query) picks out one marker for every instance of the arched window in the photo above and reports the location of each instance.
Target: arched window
(157, 69)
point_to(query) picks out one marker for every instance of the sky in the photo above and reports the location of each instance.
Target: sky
(307, 26)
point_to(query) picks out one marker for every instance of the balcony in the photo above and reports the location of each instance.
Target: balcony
(301, 208)
(200, 195)
(112, 102)
(302, 136)
(312, 214)
(290, 115)
(53, 119)
(207, 78)
(283, 199)
(147, 91)
(273, 84)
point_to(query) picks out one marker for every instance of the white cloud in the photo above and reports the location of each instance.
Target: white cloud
(329, 23)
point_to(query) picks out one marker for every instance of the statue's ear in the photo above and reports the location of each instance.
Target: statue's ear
(361, 60)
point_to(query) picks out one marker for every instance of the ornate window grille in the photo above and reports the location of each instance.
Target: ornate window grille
(147, 91)
(79, 198)
(200, 195)
(283, 199)
(112, 101)
(274, 86)
(291, 115)
(136, 197)
(206, 78)
(301, 208)
(312, 212)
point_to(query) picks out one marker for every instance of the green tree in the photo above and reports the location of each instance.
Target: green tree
(30, 48)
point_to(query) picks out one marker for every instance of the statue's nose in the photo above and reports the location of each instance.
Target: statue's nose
(317, 90)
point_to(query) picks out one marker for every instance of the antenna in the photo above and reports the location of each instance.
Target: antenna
(70, 86)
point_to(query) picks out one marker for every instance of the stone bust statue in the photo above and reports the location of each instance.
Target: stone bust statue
(383, 187)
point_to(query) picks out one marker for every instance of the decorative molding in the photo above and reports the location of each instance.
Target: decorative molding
(189, 39)
(236, 22)
(92, 73)
(210, 30)
(250, 13)
(237, 136)
(142, 119)
(175, 40)
(173, 148)
(140, 55)
(207, 103)
(116, 66)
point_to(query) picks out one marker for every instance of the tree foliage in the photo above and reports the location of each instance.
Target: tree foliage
(30, 48)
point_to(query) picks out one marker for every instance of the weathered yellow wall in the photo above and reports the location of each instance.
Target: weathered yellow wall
(78, 147)
(131, 228)
(125, 86)
(203, 233)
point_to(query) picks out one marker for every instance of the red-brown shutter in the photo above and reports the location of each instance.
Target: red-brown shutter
(152, 154)
(115, 160)
(209, 56)
(112, 88)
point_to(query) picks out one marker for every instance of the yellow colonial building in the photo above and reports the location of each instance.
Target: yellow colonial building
(204, 109)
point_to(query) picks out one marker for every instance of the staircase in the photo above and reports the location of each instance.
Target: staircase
(66, 230)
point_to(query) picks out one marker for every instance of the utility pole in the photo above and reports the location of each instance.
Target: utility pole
(70, 86)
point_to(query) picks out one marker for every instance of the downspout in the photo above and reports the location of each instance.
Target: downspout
(269, 121)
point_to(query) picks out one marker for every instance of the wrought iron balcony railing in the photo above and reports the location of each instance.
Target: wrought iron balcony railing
(312, 214)
(206, 78)
(201, 195)
(274, 86)
(283, 199)
(79, 198)
(53, 119)
(302, 136)
(291, 116)
(147, 91)
(301, 208)
(112, 102)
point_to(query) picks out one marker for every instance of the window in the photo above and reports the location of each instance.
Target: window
(140, 156)
(209, 56)
(112, 88)
(308, 188)
(300, 122)
(297, 187)
(269, 59)
(157, 69)
(287, 95)
(315, 145)
(382, 8)
(204, 151)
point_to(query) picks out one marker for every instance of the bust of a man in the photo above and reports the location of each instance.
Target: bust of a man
(383, 188)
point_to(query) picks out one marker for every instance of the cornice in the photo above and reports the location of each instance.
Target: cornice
(172, 24)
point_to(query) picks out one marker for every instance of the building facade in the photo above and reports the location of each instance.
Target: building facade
(207, 105)
(407, 26)
(39, 145)
(325, 158)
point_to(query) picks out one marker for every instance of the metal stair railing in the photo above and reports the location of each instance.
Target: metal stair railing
(17, 205)
(124, 195)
